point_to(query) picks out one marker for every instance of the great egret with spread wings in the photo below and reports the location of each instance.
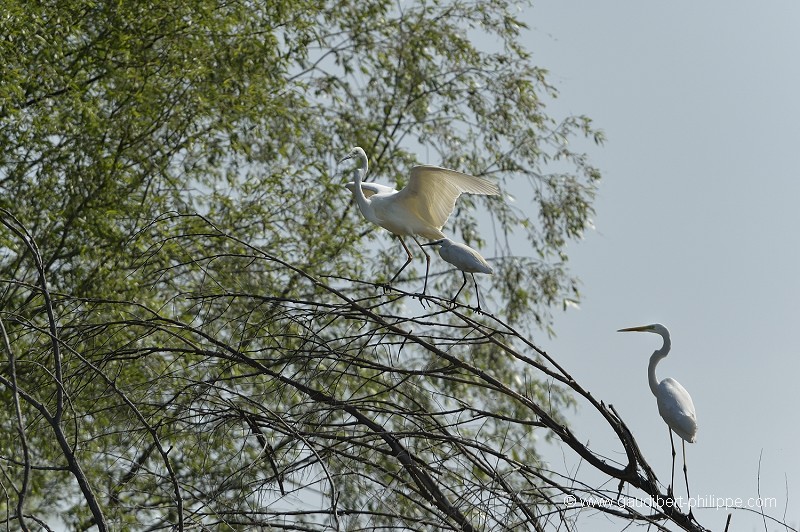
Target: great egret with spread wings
(465, 259)
(421, 208)
(674, 402)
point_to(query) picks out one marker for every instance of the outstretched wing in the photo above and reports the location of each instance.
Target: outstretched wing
(432, 191)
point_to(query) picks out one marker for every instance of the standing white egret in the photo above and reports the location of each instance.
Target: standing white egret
(421, 208)
(465, 259)
(674, 403)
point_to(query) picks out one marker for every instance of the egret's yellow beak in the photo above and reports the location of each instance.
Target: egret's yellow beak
(640, 328)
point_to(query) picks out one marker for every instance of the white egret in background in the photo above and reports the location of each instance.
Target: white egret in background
(674, 403)
(465, 259)
(421, 208)
(370, 189)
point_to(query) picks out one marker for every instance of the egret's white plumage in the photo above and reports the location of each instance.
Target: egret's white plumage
(674, 402)
(421, 208)
(465, 259)
(675, 406)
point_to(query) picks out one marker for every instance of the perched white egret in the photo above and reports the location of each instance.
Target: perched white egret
(421, 208)
(674, 403)
(465, 259)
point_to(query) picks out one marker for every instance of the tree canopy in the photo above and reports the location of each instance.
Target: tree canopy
(195, 330)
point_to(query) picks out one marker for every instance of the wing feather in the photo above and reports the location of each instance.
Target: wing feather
(431, 192)
(676, 407)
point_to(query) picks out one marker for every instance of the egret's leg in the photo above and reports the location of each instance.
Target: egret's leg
(427, 265)
(408, 261)
(477, 295)
(686, 478)
(462, 286)
(671, 489)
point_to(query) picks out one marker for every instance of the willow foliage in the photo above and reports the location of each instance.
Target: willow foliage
(194, 330)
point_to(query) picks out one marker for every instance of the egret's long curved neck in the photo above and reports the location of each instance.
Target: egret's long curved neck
(655, 358)
(361, 173)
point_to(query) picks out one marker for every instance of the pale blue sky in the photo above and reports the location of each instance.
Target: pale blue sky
(696, 227)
